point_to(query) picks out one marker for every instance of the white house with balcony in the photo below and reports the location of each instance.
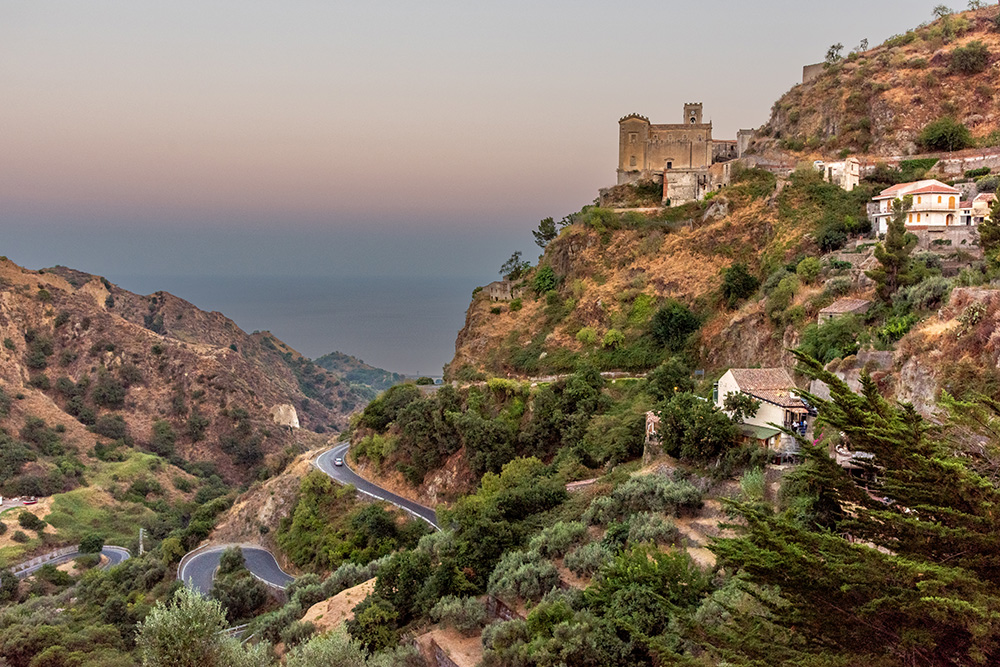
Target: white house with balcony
(935, 205)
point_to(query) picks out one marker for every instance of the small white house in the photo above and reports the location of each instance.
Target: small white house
(773, 387)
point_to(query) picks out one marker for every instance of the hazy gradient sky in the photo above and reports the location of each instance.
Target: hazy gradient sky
(381, 138)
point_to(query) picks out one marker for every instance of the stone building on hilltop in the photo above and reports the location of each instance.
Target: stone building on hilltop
(681, 155)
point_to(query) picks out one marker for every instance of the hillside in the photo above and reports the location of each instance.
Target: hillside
(599, 285)
(82, 351)
(878, 101)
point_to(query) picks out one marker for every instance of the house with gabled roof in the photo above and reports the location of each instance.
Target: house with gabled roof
(780, 405)
(934, 205)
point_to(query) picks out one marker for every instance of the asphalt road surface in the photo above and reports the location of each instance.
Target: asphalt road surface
(345, 475)
(199, 571)
(115, 556)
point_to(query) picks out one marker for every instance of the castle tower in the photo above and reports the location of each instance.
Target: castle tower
(692, 113)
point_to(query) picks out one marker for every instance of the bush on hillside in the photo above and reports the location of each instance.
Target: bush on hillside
(467, 615)
(987, 184)
(834, 339)
(557, 539)
(585, 561)
(673, 324)
(945, 134)
(523, 574)
(970, 59)
(737, 284)
(808, 269)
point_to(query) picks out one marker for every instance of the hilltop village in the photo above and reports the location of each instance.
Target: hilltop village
(743, 409)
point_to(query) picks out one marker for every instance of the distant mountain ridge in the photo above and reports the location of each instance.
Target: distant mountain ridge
(363, 377)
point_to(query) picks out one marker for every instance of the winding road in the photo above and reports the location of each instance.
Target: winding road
(345, 475)
(197, 568)
(115, 555)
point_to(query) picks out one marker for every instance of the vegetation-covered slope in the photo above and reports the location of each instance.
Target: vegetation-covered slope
(879, 101)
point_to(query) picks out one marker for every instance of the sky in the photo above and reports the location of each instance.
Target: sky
(381, 138)
(147, 140)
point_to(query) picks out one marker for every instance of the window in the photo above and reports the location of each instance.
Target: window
(911, 218)
(693, 119)
(918, 217)
(918, 199)
(631, 161)
(939, 199)
(951, 202)
(670, 165)
(632, 137)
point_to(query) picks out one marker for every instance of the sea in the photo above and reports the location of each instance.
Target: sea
(404, 325)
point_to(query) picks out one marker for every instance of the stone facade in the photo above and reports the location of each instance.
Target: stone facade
(676, 154)
(846, 174)
(503, 290)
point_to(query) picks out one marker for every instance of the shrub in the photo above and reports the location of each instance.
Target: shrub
(648, 527)
(523, 574)
(112, 427)
(29, 521)
(545, 280)
(585, 561)
(925, 295)
(467, 615)
(495, 310)
(737, 284)
(970, 59)
(838, 286)
(781, 298)
(988, 184)
(673, 324)
(163, 439)
(644, 493)
(92, 543)
(20, 537)
(587, 335)
(109, 392)
(976, 173)
(808, 269)
(613, 339)
(556, 540)
(836, 338)
(516, 305)
(945, 134)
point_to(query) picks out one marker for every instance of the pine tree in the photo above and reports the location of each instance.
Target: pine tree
(895, 266)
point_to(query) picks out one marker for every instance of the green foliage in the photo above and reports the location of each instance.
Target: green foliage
(328, 526)
(895, 265)
(808, 269)
(467, 615)
(545, 233)
(239, 592)
(835, 338)
(514, 267)
(693, 429)
(970, 59)
(737, 284)
(945, 134)
(545, 280)
(163, 439)
(196, 425)
(670, 377)
(976, 173)
(331, 648)
(740, 406)
(92, 543)
(523, 575)
(587, 335)
(613, 338)
(374, 624)
(781, 297)
(108, 392)
(558, 538)
(673, 324)
(29, 521)
(112, 426)
(187, 632)
(586, 560)
(643, 493)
